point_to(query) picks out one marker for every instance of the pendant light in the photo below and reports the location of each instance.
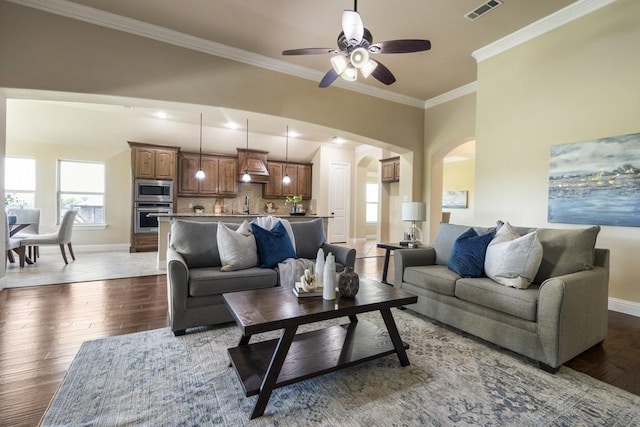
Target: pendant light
(286, 180)
(200, 172)
(246, 177)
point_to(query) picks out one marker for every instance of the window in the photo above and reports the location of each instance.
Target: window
(81, 188)
(371, 200)
(19, 182)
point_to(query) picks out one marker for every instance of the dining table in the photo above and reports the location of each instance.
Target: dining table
(14, 229)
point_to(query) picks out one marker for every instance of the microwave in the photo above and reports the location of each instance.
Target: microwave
(153, 190)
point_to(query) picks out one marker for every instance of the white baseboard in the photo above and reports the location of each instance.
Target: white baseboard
(623, 306)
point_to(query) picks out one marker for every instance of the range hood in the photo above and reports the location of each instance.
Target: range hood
(255, 162)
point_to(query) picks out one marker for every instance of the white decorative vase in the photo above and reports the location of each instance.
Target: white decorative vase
(319, 269)
(329, 277)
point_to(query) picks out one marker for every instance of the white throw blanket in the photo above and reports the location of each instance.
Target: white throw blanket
(292, 268)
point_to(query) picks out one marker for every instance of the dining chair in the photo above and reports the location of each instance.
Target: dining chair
(31, 217)
(61, 237)
(13, 245)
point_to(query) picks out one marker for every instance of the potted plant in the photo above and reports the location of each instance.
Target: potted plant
(198, 209)
(293, 201)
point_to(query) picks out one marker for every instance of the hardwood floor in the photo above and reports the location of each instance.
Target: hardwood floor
(42, 328)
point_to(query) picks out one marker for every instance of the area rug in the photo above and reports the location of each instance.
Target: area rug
(155, 379)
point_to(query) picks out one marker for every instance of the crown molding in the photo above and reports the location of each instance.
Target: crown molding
(176, 38)
(451, 95)
(538, 28)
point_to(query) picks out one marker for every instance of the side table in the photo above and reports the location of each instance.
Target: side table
(388, 247)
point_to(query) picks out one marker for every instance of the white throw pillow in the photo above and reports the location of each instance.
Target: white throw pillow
(511, 259)
(237, 249)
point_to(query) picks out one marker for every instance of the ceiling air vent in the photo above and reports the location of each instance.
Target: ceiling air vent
(482, 9)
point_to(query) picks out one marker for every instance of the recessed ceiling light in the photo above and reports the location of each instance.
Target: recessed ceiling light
(293, 134)
(232, 125)
(337, 140)
(162, 115)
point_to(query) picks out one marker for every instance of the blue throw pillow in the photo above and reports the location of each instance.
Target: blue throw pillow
(468, 252)
(273, 245)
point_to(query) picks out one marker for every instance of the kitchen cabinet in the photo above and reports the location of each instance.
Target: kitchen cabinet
(219, 175)
(153, 162)
(300, 175)
(390, 169)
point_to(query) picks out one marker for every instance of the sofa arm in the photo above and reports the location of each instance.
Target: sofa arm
(573, 313)
(403, 258)
(177, 287)
(344, 255)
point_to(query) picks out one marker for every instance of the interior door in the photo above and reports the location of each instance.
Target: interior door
(339, 193)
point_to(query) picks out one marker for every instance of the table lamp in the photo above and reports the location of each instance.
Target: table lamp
(413, 211)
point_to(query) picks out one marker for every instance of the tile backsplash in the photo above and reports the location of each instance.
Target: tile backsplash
(233, 205)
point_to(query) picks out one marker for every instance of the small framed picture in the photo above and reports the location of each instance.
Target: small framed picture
(454, 199)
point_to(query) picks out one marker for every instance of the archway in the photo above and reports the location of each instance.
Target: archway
(367, 177)
(464, 151)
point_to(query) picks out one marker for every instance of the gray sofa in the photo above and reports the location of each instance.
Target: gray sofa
(195, 283)
(560, 315)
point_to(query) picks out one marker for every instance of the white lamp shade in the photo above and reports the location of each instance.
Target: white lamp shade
(350, 74)
(414, 211)
(359, 57)
(339, 63)
(368, 68)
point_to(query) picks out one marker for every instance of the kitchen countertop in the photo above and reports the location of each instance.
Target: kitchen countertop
(223, 215)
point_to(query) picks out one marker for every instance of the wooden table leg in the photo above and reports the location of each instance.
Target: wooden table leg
(395, 336)
(244, 340)
(385, 267)
(271, 376)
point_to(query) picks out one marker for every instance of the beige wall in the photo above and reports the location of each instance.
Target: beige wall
(576, 83)
(3, 223)
(460, 176)
(446, 126)
(117, 160)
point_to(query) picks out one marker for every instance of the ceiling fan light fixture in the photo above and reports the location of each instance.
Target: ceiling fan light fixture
(359, 57)
(339, 63)
(368, 68)
(350, 74)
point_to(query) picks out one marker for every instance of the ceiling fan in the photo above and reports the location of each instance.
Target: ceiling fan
(355, 46)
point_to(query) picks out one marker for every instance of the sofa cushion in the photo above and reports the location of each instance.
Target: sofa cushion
(436, 278)
(309, 237)
(565, 251)
(511, 259)
(447, 235)
(237, 248)
(273, 245)
(468, 253)
(522, 303)
(212, 281)
(196, 242)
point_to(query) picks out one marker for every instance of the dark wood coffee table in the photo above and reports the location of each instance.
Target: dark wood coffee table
(267, 365)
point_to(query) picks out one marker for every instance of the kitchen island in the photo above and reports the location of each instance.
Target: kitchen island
(164, 225)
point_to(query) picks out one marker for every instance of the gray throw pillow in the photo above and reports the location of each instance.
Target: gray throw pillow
(237, 249)
(447, 235)
(309, 237)
(566, 251)
(196, 242)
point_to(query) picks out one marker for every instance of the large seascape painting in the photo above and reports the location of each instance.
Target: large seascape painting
(596, 182)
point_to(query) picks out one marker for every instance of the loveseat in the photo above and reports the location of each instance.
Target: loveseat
(562, 313)
(196, 282)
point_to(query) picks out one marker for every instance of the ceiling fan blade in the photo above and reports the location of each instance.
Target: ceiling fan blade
(309, 51)
(352, 26)
(329, 78)
(383, 74)
(400, 46)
